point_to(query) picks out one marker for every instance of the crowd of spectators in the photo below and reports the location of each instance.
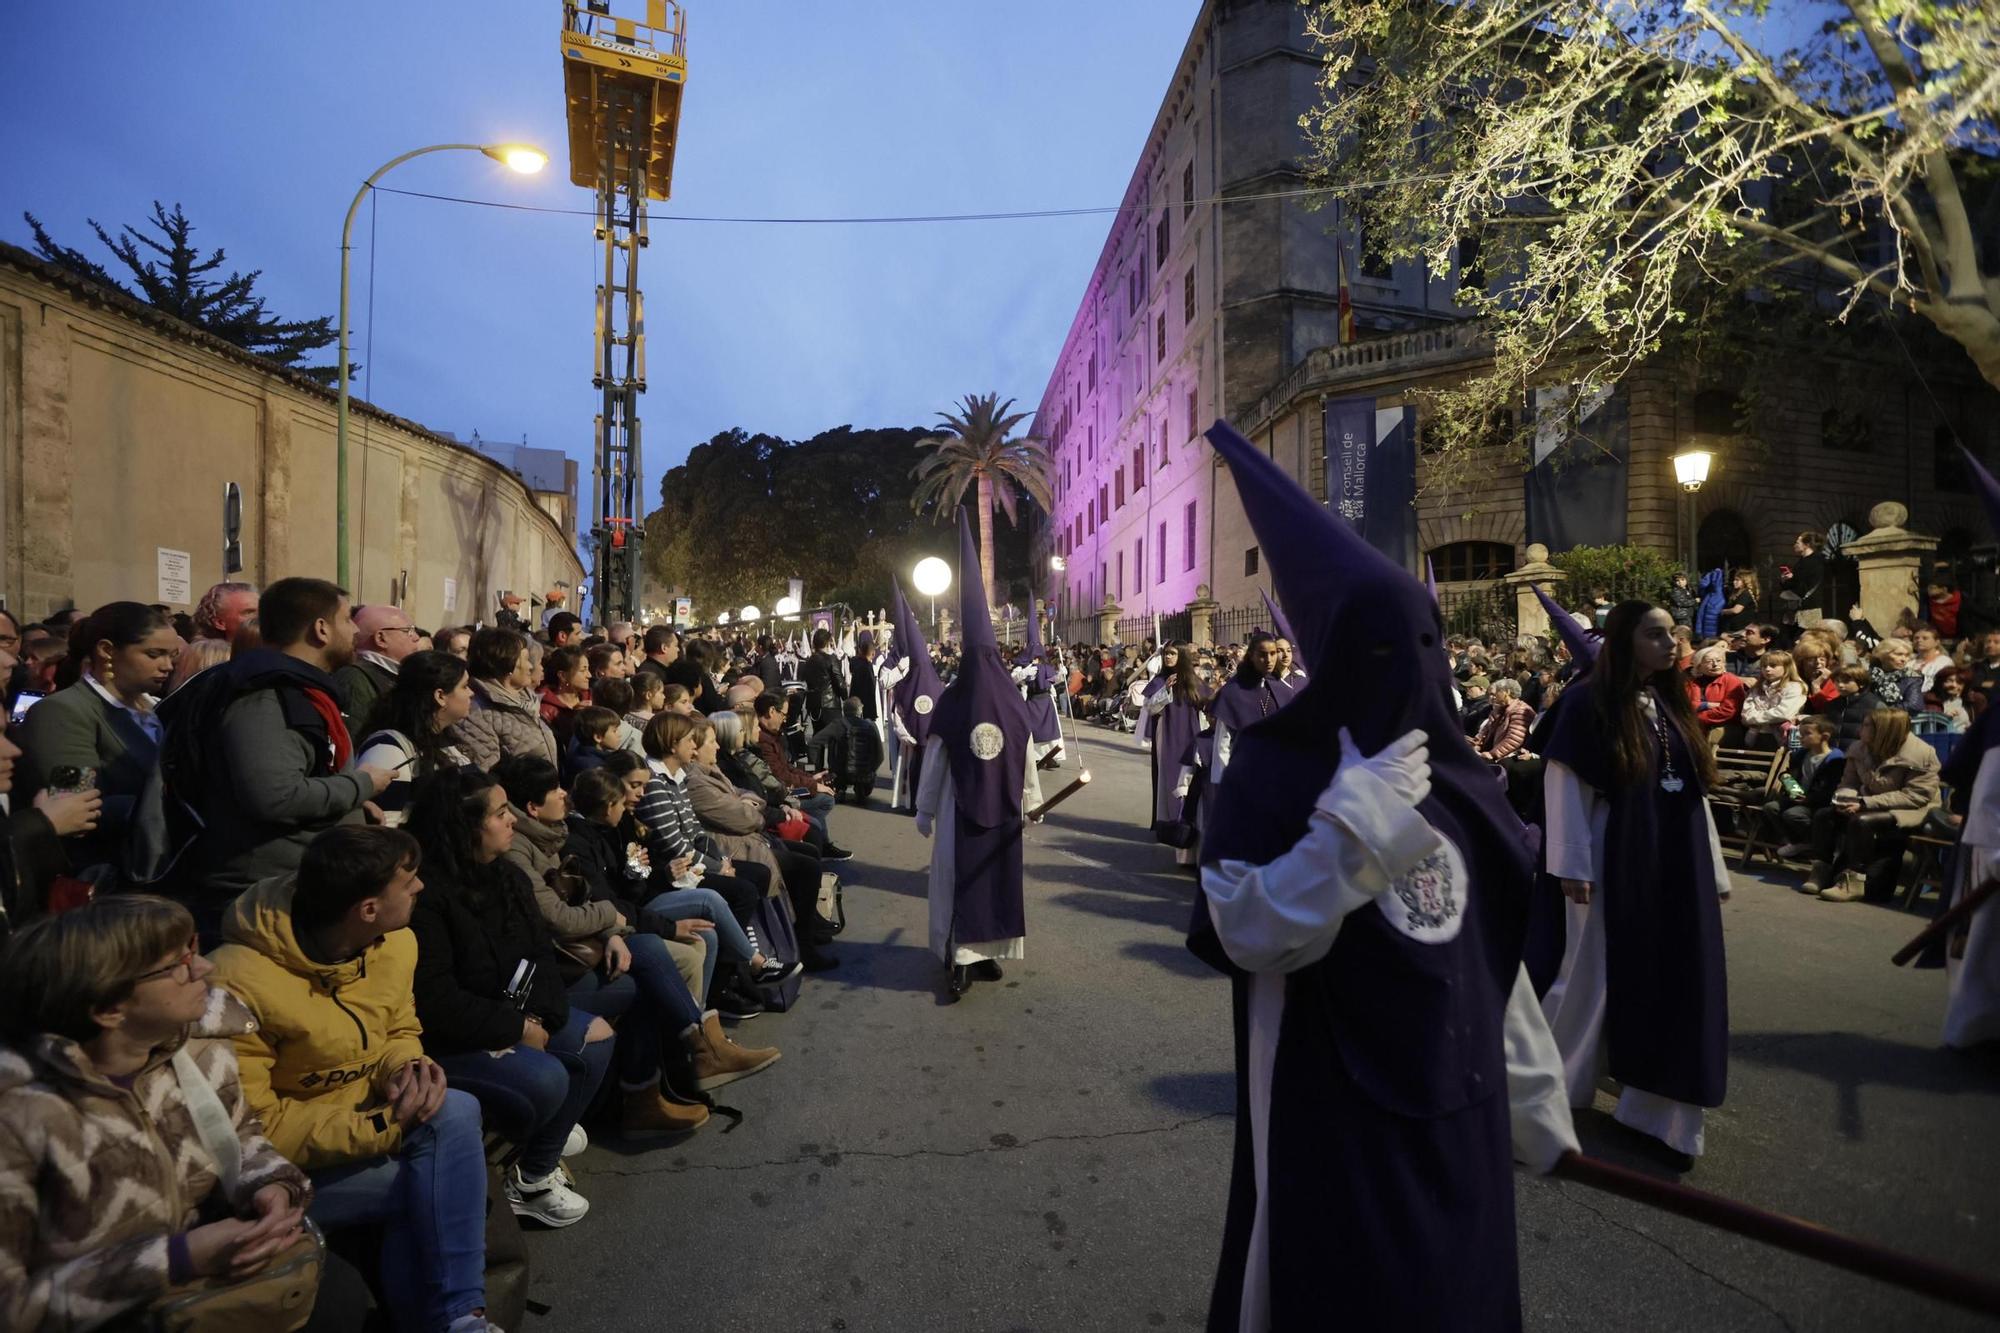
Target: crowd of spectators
(412, 907)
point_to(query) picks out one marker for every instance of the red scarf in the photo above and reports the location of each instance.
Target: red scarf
(336, 727)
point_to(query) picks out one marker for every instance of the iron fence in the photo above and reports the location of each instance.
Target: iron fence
(1137, 629)
(1235, 624)
(1479, 610)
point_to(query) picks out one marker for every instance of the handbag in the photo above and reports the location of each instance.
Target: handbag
(793, 828)
(279, 1297)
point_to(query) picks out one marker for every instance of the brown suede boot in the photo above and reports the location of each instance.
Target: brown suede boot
(644, 1113)
(719, 1060)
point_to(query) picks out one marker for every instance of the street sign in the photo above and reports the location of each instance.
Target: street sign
(683, 610)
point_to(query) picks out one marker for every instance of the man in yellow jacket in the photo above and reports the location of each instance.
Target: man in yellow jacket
(335, 1067)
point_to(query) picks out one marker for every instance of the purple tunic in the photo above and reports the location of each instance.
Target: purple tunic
(1174, 733)
(916, 694)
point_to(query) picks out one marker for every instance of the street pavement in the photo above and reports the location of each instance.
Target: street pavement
(1053, 1151)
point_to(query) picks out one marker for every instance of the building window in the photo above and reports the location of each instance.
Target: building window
(1133, 286)
(1845, 432)
(1091, 374)
(1194, 414)
(1138, 468)
(1187, 296)
(1160, 553)
(1162, 239)
(1121, 573)
(1374, 262)
(1160, 339)
(1119, 492)
(1471, 562)
(1187, 557)
(1250, 562)
(1090, 515)
(1471, 263)
(1139, 563)
(1187, 189)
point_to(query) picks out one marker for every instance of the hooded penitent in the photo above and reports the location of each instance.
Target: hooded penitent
(1388, 1117)
(916, 694)
(1041, 703)
(1985, 733)
(1282, 627)
(982, 721)
(1582, 643)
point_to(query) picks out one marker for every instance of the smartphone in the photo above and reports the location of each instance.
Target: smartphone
(22, 703)
(65, 778)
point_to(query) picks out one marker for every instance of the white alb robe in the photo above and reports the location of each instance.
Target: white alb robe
(1972, 1011)
(937, 805)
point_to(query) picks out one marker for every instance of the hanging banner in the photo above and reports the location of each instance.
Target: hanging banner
(1575, 491)
(1371, 473)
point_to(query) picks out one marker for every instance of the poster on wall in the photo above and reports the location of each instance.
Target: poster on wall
(175, 571)
(451, 594)
(1371, 473)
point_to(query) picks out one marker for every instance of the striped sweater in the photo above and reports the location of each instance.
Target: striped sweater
(672, 830)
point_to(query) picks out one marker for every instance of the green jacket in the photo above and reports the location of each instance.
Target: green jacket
(361, 683)
(75, 727)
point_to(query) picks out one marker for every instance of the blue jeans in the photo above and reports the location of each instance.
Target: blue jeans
(532, 1097)
(816, 808)
(683, 904)
(430, 1198)
(651, 999)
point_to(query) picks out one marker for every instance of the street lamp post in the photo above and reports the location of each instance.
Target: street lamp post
(1691, 470)
(519, 157)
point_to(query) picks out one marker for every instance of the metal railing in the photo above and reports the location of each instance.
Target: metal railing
(1485, 611)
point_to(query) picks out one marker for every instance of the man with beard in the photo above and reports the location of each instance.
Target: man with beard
(256, 748)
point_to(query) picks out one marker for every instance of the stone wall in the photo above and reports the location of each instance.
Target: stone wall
(119, 429)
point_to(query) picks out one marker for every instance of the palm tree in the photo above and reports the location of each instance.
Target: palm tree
(976, 447)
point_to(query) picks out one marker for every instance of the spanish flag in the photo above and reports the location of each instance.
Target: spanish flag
(1346, 325)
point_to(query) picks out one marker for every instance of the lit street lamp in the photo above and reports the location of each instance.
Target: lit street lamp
(748, 614)
(1691, 470)
(518, 157)
(787, 607)
(722, 617)
(931, 577)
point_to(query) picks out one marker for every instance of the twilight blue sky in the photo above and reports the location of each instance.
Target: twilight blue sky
(260, 119)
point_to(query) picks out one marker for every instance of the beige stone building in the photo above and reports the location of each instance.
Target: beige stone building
(120, 429)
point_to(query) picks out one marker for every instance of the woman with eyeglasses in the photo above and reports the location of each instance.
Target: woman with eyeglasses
(112, 1034)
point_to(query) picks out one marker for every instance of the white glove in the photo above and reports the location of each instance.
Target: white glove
(924, 824)
(1403, 765)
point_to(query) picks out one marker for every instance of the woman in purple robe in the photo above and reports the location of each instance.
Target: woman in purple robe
(1246, 699)
(1176, 713)
(1642, 993)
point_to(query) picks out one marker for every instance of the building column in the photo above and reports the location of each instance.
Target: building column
(40, 538)
(1891, 560)
(1201, 617)
(1107, 621)
(1529, 616)
(274, 501)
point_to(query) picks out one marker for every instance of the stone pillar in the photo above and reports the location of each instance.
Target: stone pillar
(40, 523)
(1529, 617)
(1201, 618)
(1107, 621)
(1891, 560)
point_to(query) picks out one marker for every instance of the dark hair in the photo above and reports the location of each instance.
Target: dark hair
(123, 623)
(593, 720)
(1617, 684)
(766, 701)
(494, 653)
(557, 663)
(699, 653)
(1187, 685)
(446, 814)
(619, 763)
(600, 657)
(1247, 672)
(821, 638)
(528, 779)
(1812, 540)
(289, 608)
(344, 865)
(658, 637)
(615, 695)
(410, 705)
(595, 790)
(562, 622)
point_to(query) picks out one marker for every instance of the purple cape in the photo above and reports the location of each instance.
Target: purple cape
(921, 681)
(1239, 706)
(1043, 723)
(1666, 1027)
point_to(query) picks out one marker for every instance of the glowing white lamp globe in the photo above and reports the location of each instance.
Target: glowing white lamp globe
(748, 614)
(787, 606)
(722, 618)
(932, 576)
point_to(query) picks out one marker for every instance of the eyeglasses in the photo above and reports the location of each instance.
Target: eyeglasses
(410, 630)
(184, 965)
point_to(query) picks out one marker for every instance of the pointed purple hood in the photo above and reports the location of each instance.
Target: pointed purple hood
(916, 694)
(1280, 626)
(1379, 665)
(1430, 578)
(981, 717)
(1581, 642)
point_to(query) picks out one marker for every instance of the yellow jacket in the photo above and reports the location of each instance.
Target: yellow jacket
(329, 1035)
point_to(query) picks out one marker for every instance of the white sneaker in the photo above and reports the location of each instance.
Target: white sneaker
(548, 1200)
(578, 1141)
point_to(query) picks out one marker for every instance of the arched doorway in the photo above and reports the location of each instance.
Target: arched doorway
(1723, 540)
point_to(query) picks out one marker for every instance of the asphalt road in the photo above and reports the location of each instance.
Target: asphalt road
(1053, 1151)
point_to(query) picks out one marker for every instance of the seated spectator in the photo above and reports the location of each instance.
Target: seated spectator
(1950, 702)
(808, 791)
(1476, 703)
(565, 688)
(594, 738)
(649, 696)
(506, 717)
(1817, 657)
(490, 993)
(1857, 701)
(411, 728)
(1811, 776)
(335, 1067)
(1775, 701)
(746, 770)
(1892, 677)
(1506, 728)
(1928, 656)
(383, 637)
(1984, 673)
(1717, 695)
(1887, 785)
(103, 725)
(258, 751)
(853, 750)
(737, 822)
(455, 640)
(617, 971)
(698, 662)
(618, 697)
(109, 1199)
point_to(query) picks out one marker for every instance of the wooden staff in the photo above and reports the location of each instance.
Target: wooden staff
(1787, 1233)
(1036, 815)
(1947, 921)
